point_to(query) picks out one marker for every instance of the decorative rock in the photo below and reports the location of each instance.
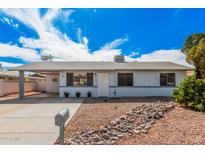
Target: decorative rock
(136, 131)
(105, 136)
(125, 130)
(136, 121)
(100, 143)
(114, 134)
(103, 129)
(152, 122)
(148, 126)
(120, 135)
(123, 117)
(144, 131)
(96, 138)
(161, 114)
(114, 138)
(114, 123)
(142, 125)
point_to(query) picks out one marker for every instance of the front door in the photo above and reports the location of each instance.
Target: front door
(103, 85)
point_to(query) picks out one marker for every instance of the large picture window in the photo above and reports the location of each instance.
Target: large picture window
(79, 79)
(125, 79)
(167, 79)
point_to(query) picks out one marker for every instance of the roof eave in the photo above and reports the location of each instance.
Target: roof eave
(59, 70)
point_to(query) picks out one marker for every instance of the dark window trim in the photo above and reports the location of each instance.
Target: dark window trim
(167, 77)
(69, 81)
(121, 85)
(71, 85)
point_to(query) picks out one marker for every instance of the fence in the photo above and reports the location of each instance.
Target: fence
(11, 87)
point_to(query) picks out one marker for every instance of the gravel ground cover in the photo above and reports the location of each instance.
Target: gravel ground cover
(94, 114)
(179, 126)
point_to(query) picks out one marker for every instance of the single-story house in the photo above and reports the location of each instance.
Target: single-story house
(108, 79)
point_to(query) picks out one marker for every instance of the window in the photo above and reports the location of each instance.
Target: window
(69, 79)
(79, 79)
(125, 79)
(89, 79)
(55, 80)
(167, 79)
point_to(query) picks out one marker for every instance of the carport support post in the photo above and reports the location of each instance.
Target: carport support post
(21, 84)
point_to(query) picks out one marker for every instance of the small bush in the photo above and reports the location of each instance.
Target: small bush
(77, 94)
(66, 94)
(89, 94)
(191, 93)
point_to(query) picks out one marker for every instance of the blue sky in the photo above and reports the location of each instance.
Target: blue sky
(96, 34)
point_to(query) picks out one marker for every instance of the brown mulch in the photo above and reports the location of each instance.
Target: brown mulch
(95, 112)
(179, 126)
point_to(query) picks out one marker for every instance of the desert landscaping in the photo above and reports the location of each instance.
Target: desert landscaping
(149, 120)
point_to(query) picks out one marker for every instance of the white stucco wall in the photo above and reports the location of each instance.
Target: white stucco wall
(146, 78)
(41, 85)
(82, 90)
(140, 91)
(52, 87)
(179, 76)
(145, 83)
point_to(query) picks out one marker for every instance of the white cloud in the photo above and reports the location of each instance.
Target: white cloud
(5, 64)
(30, 17)
(132, 54)
(81, 39)
(164, 55)
(79, 35)
(62, 47)
(50, 15)
(66, 15)
(115, 43)
(85, 41)
(52, 41)
(8, 50)
(9, 22)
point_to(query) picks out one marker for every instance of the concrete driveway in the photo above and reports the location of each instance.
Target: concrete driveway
(31, 120)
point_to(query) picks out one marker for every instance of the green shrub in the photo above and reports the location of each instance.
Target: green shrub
(191, 93)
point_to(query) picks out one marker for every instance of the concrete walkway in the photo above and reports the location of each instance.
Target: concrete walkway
(31, 120)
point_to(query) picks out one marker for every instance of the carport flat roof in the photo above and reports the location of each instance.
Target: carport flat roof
(100, 66)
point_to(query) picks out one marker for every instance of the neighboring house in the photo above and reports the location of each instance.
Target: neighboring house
(9, 75)
(9, 82)
(38, 75)
(190, 73)
(14, 76)
(109, 79)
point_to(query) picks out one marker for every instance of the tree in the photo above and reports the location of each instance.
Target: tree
(47, 58)
(194, 49)
(50, 57)
(191, 93)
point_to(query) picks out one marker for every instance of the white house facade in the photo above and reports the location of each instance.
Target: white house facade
(131, 84)
(109, 79)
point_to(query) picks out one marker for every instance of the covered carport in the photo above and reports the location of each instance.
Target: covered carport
(52, 76)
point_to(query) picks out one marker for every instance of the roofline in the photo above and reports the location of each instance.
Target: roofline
(19, 68)
(57, 70)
